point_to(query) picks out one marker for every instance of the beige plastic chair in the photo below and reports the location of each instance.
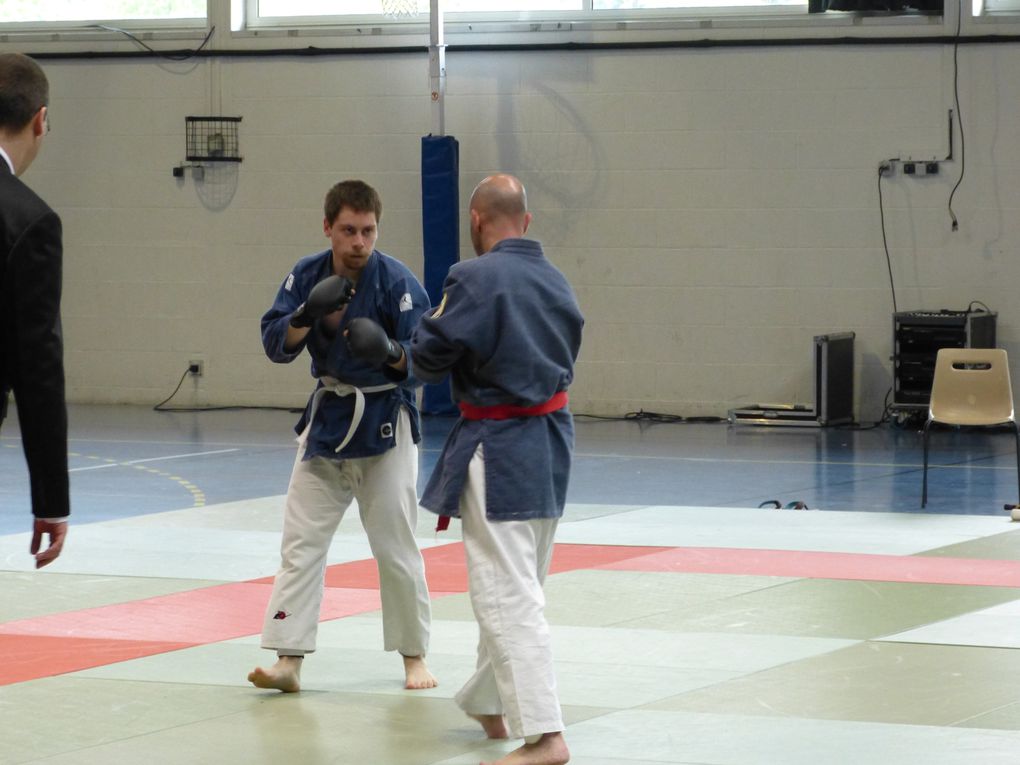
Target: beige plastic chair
(971, 387)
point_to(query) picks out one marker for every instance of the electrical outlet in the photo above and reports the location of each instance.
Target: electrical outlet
(196, 367)
(931, 168)
(885, 167)
(909, 168)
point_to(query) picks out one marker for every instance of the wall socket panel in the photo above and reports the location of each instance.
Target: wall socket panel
(920, 168)
(196, 367)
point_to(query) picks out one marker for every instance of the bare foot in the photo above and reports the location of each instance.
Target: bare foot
(417, 675)
(493, 725)
(284, 676)
(551, 749)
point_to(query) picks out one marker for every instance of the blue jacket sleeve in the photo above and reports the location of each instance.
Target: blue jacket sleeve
(36, 264)
(276, 320)
(408, 303)
(446, 335)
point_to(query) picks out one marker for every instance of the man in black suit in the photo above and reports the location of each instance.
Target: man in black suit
(31, 342)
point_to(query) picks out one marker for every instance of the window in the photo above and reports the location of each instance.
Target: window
(278, 12)
(29, 11)
(579, 10)
(995, 7)
(283, 8)
(614, 5)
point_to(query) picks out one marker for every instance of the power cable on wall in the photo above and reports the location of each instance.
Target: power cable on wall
(183, 55)
(161, 408)
(959, 114)
(883, 167)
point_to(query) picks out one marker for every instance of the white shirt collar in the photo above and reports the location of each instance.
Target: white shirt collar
(7, 159)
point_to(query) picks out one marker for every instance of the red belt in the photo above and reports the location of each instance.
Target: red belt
(504, 412)
(508, 411)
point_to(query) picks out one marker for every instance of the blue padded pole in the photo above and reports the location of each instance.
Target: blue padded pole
(440, 218)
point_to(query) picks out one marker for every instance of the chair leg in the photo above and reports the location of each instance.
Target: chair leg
(1016, 432)
(924, 480)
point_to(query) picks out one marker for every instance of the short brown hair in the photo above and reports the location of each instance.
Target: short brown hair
(357, 195)
(23, 90)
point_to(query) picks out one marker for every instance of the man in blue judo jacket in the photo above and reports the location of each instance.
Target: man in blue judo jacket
(507, 332)
(352, 308)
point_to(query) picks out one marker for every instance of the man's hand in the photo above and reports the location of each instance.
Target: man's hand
(57, 532)
(331, 294)
(367, 341)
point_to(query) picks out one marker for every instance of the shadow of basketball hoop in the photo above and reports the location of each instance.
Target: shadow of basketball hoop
(557, 156)
(218, 185)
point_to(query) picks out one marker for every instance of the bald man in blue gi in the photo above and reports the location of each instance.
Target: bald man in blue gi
(507, 332)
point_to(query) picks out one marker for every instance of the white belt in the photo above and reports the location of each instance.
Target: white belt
(337, 388)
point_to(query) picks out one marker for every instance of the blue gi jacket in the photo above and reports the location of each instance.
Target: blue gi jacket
(508, 331)
(389, 294)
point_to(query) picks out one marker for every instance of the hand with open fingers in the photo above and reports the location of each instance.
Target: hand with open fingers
(329, 295)
(57, 533)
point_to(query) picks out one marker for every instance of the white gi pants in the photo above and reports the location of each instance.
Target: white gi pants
(507, 562)
(320, 492)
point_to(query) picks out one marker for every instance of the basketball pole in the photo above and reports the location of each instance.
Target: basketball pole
(437, 66)
(440, 197)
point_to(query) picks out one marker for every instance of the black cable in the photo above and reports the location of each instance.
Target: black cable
(655, 417)
(886, 415)
(643, 416)
(857, 426)
(970, 308)
(756, 42)
(886, 410)
(160, 408)
(885, 242)
(169, 56)
(959, 114)
(180, 382)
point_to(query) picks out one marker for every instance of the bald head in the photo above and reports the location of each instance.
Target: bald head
(500, 196)
(499, 210)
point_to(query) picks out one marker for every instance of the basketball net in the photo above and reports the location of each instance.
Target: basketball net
(400, 9)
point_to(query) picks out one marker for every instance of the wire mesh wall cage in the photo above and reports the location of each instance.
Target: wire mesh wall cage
(212, 139)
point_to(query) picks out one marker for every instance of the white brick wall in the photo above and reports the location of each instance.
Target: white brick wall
(715, 209)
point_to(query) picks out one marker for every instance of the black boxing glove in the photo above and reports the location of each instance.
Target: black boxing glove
(367, 341)
(331, 294)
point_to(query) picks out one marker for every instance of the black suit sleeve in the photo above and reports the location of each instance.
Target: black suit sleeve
(38, 364)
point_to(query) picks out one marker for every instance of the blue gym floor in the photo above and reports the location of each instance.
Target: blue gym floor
(131, 460)
(690, 625)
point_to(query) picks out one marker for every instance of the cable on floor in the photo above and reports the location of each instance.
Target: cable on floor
(653, 417)
(160, 408)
